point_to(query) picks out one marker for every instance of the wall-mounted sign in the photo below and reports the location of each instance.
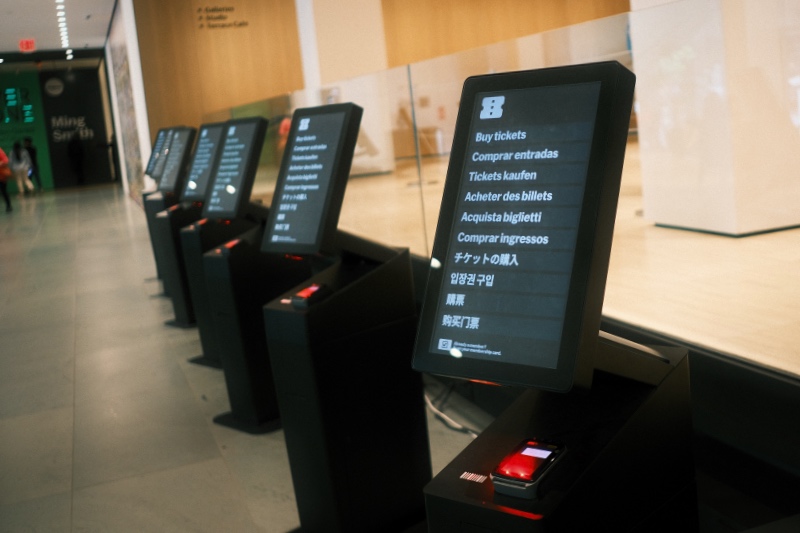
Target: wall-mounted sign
(76, 133)
(54, 87)
(17, 106)
(218, 17)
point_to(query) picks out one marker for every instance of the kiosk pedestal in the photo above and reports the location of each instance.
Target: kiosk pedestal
(197, 239)
(240, 279)
(627, 467)
(154, 203)
(351, 406)
(167, 225)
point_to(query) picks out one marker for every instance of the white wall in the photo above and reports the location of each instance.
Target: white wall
(350, 38)
(718, 146)
(127, 99)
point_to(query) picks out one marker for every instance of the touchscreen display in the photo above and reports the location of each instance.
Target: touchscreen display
(233, 176)
(302, 194)
(158, 145)
(161, 159)
(313, 176)
(512, 243)
(175, 166)
(203, 160)
(521, 250)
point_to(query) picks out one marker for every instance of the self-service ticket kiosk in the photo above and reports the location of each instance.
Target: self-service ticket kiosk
(168, 222)
(339, 343)
(188, 211)
(223, 172)
(241, 277)
(154, 201)
(602, 440)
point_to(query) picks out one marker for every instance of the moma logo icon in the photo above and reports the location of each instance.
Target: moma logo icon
(445, 344)
(492, 107)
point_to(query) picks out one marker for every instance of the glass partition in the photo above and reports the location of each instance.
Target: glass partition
(382, 200)
(436, 86)
(657, 277)
(400, 162)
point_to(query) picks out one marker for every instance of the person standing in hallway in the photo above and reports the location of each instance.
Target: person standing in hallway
(5, 173)
(27, 143)
(20, 163)
(75, 154)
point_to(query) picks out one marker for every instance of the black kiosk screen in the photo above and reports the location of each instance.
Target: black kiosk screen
(158, 145)
(161, 158)
(205, 155)
(311, 184)
(233, 177)
(512, 244)
(182, 139)
(507, 295)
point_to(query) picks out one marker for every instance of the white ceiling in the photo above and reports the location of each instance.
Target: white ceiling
(87, 23)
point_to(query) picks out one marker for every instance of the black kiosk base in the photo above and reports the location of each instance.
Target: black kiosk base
(240, 279)
(627, 467)
(195, 240)
(352, 408)
(155, 202)
(167, 225)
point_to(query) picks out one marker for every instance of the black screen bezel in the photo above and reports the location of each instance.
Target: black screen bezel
(199, 195)
(248, 176)
(180, 174)
(595, 229)
(340, 172)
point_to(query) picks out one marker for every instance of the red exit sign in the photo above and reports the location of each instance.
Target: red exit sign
(27, 45)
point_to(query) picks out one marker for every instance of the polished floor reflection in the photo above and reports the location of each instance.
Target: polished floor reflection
(104, 425)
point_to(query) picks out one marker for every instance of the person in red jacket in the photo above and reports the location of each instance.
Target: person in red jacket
(5, 173)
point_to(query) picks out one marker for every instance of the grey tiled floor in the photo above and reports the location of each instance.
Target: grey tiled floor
(104, 425)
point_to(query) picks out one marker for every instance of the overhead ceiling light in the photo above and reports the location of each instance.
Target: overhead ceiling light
(61, 16)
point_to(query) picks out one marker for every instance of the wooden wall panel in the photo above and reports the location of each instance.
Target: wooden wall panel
(166, 47)
(191, 69)
(420, 29)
